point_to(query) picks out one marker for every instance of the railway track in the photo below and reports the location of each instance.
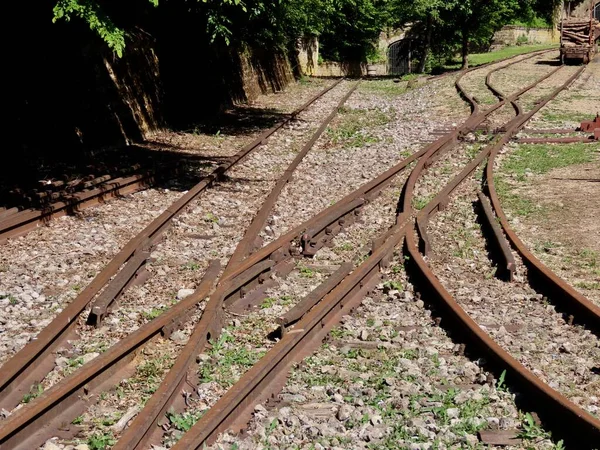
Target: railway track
(53, 198)
(581, 425)
(26, 208)
(241, 286)
(126, 266)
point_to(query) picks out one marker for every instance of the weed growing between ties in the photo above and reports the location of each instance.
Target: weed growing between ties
(387, 88)
(229, 361)
(355, 127)
(370, 378)
(35, 391)
(420, 202)
(101, 441)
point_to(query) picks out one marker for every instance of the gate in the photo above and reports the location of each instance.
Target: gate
(399, 56)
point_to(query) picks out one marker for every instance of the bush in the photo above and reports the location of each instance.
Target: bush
(522, 40)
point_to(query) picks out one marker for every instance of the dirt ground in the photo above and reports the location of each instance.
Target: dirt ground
(564, 230)
(572, 197)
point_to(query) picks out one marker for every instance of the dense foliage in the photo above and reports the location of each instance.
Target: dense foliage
(347, 29)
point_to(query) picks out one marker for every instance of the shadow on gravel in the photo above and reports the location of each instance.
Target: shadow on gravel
(549, 62)
(494, 252)
(37, 177)
(37, 180)
(236, 121)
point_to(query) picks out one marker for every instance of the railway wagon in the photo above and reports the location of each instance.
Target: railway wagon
(579, 33)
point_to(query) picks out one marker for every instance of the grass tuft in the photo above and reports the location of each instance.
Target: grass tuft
(353, 126)
(541, 158)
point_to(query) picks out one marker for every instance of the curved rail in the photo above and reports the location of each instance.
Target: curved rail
(265, 377)
(246, 245)
(18, 374)
(583, 310)
(49, 409)
(583, 427)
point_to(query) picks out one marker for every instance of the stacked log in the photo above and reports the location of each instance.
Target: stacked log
(576, 32)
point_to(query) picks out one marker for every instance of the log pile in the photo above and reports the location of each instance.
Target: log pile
(576, 32)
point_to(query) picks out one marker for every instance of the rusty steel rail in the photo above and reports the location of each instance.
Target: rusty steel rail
(21, 222)
(509, 266)
(483, 66)
(423, 216)
(583, 427)
(475, 119)
(266, 377)
(317, 228)
(34, 361)
(144, 426)
(15, 428)
(555, 287)
(209, 326)
(263, 378)
(247, 244)
(550, 130)
(315, 296)
(30, 426)
(95, 371)
(558, 140)
(552, 406)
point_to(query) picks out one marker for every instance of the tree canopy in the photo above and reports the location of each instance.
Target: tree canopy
(347, 29)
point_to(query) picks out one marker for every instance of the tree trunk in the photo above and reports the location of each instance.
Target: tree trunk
(427, 46)
(465, 47)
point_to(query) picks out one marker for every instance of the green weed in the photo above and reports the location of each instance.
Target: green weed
(420, 202)
(285, 299)
(192, 265)
(306, 272)
(229, 360)
(154, 313)
(393, 285)
(77, 420)
(35, 391)
(352, 128)
(516, 203)
(184, 421)
(74, 363)
(100, 441)
(338, 333)
(552, 116)
(541, 158)
(500, 383)
(211, 218)
(590, 285)
(386, 88)
(345, 247)
(531, 430)
(150, 372)
(465, 241)
(268, 302)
